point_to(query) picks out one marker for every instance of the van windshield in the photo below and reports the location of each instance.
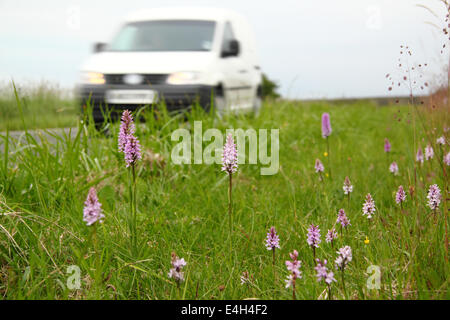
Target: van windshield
(164, 35)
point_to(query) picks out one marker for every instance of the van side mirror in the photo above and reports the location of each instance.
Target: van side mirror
(232, 49)
(99, 47)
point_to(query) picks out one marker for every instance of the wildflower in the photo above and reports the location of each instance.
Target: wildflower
(313, 239)
(177, 267)
(325, 154)
(126, 128)
(434, 197)
(92, 211)
(429, 153)
(272, 240)
(326, 125)
(331, 235)
(447, 159)
(132, 150)
(348, 188)
(366, 241)
(313, 236)
(411, 191)
(342, 218)
(322, 272)
(393, 168)
(229, 157)
(128, 143)
(441, 140)
(330, 278)
(344, 257)
(369, 206)
(229, 165)
(245, 278)
(294, 272)
(319, 166)
(326, 132)
(321, 269)
(387, 145)
(419, 156)
(400, 196)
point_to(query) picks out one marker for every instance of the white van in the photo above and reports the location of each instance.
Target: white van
(180, 55)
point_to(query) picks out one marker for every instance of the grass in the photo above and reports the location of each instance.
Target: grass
(183, 209)
(44, 105)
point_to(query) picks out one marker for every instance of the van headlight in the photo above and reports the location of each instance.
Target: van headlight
(184, 78)
(92, 78)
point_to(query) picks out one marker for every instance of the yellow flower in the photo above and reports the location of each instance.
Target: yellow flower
(367, 240)
(325, 154)
(326, 175)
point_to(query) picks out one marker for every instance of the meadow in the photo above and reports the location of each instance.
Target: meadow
(184, 209)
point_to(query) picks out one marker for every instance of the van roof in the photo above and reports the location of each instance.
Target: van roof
(182, 13)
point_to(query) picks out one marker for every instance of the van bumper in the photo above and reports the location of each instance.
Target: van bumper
(175, 97)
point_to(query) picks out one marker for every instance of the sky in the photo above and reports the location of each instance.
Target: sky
(312, 49)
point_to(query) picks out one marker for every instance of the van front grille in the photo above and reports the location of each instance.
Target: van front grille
(148, 79)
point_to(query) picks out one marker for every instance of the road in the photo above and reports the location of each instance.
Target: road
(49, 134)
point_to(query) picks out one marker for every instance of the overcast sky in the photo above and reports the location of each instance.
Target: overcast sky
(320, 49)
